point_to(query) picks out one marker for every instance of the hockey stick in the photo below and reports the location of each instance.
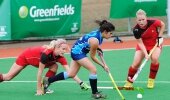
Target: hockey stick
(111, 77)
(140, 89)
(142, 65)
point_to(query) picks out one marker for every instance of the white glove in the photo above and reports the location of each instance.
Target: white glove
(160, 41)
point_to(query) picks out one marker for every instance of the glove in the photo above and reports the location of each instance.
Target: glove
(99, 51)
(160, 40)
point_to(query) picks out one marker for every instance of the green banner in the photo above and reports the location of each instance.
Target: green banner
(128, 8)
(43, 18)
(5, 20)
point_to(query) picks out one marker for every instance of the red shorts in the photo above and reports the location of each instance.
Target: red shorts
(147, 48)
(26, 58)
(21, 60)
(31, 56)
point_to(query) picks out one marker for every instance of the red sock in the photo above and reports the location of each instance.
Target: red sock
(1, 78)
(50, 73)
(132, 72)
(153, 70)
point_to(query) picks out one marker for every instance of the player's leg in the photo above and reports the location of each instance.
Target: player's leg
(83, 85)
(52, 70)
(138, 57)
(85, 62)
(63, 75)
(19, 64)
(15, 69)
(1, 78)
(73, 70)
(50, 73)
(154, 67)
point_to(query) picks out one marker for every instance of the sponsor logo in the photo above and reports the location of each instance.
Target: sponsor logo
(23, 12)
(74, 28)
(46, 14)
(3, 31)
(55, 11)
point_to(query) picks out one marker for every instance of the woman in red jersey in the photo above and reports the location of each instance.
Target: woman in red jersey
(147, 32)
(42, 57)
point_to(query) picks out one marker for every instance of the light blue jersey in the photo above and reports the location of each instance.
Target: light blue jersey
(82, 46)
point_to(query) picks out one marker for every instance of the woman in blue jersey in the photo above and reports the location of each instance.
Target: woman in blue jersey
(89, 43)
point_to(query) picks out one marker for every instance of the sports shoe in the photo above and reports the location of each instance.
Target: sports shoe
(151, 83)
(84, 86)
(128, 84)
(49, 91)
(98, 95)
(45, 84)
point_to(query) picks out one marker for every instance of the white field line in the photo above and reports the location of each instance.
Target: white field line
(99, 87)
(141, 82)
(103, 50)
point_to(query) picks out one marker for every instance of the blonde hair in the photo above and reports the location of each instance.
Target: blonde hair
(140, 12)
(55, 43)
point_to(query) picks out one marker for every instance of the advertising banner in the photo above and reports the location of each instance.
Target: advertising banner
(5, 20)
(43, 18)
(128, 8)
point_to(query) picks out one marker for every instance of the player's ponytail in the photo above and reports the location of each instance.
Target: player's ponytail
(105, 25)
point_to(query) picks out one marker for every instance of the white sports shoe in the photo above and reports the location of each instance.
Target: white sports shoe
(48, 91)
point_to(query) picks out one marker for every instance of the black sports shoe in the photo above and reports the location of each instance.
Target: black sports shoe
(99, 95)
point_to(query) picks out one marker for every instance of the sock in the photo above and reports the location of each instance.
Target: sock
(93, 83)
(153, 70)
(60, 76)
(1, 78)
(131, 72)
(50, 73)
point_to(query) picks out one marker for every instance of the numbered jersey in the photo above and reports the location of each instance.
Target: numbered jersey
(82, 45)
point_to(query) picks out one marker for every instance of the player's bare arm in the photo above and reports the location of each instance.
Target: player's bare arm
(93, 48)
(39, 77)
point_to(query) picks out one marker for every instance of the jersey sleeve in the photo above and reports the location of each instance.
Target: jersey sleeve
(157, 23)
(62, 61)
(43, 58)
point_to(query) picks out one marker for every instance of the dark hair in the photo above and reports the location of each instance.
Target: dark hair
(105, 25)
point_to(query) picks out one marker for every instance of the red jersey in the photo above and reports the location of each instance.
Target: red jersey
(34, 55)
(149, 34)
